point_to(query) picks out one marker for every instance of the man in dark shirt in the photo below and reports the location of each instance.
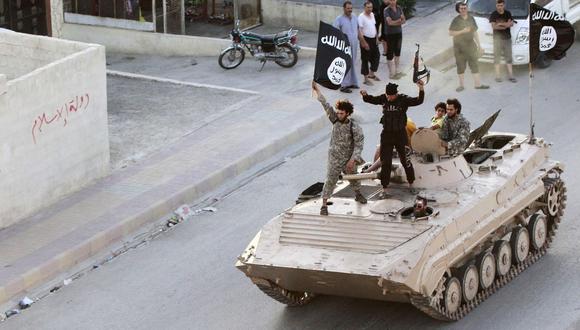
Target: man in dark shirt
(466, 46)
(501, 22)
(394, 132)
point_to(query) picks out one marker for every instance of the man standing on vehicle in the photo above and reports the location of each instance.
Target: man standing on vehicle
(367, 27)
(466, 46)
(348, 24)
(346, 145)
(394, 132)
(455, 130)
(501, 22)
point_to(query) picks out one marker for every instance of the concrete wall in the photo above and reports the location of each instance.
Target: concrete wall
(139, 42)
(53, 121)
(304, 16)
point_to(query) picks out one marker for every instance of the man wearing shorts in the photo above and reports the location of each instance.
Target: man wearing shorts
(466, 46)
(501, 22)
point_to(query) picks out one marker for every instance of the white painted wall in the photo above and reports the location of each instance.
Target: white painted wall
(303, 16)
(53, 121)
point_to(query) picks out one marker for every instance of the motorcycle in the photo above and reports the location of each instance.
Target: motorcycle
(281, 48)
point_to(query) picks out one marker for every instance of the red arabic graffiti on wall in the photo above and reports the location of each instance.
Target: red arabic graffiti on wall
(60, 115)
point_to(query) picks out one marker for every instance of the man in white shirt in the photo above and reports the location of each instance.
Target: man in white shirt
(370, 53)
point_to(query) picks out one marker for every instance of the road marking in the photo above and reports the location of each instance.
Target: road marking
(177, 82)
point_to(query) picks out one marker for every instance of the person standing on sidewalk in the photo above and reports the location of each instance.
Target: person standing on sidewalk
(383, 31)
(466, 46)
(394, 20)
(501, 22)
(394, 132)
(348, 24)
(344, 152)
(367, 27)
(377, 14)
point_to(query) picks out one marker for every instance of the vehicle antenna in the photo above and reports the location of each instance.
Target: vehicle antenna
(532, 124)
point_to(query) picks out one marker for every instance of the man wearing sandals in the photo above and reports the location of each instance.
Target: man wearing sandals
(501, 22)
(369, 51)
(466, 46)
(347, 23)
(344, 152)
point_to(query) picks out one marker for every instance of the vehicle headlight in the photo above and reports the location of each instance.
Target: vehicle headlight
(523, 36)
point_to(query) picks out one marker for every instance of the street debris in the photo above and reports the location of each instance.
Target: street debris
(184, 212)
(12, 312)
(25, 303)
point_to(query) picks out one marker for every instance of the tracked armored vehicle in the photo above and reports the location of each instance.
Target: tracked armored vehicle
(491, 213)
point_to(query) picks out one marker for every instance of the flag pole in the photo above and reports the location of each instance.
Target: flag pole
(531, 73)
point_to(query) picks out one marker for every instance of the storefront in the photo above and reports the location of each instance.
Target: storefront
(28, 16)
(192, 17)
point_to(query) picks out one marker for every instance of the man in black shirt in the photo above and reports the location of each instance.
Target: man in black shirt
(466, 46)
(394, 132)
(501, 22)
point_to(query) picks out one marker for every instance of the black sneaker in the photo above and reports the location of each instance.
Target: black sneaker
(324, 210)
(360, 198)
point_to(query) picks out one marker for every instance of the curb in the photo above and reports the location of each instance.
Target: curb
(441, 57)
(153, 212)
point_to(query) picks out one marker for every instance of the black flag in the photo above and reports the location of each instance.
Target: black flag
(550, 33)
(333, 57)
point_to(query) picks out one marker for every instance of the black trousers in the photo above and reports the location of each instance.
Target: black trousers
(394, 43)
(371, 56)
(397, 140)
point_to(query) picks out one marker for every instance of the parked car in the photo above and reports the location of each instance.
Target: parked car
(481, 9)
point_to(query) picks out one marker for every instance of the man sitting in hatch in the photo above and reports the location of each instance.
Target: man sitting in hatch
(455, 130)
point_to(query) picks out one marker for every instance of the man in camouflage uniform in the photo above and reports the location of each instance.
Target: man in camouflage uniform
(344, 152)
(455, 130)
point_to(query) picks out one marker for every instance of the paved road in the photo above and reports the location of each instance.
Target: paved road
(186, 278)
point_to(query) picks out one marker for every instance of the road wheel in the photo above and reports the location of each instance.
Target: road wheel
(290, 56)
(503, 257)
(469, 282)
(231, 57)
(486, 267)
(452, 295)
(537, 228)
(520, 244)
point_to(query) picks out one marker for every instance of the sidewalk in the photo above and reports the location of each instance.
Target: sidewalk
(277, 111)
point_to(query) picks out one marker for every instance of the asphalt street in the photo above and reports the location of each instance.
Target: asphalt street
(186, 277)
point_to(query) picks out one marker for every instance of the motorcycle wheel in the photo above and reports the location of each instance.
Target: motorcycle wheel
(231, 57)
(291, 56)
(543, 61)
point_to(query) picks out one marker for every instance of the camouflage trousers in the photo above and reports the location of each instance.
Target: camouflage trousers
(335, 168)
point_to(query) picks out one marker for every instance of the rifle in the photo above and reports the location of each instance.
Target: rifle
(420, 74)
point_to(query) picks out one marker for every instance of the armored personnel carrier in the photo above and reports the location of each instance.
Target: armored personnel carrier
(491, 213)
